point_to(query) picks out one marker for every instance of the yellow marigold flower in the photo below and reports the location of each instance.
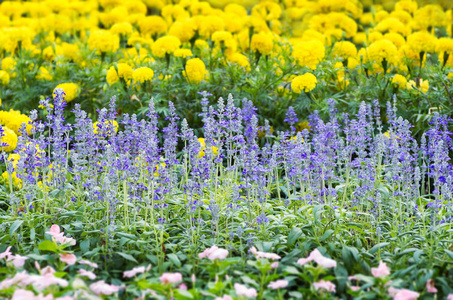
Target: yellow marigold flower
(15, 121)
(195, 70)
(123, 28)
(202, 153)
(71, 51)
(103, 41)
(429, 16)
(399, 81)
(16, 182)
(207, 25)
(344, 49)
(165, 45)
(106, 128)
(4, 77)
(112, 76)
(406, 5)
(125, 71)
(240, 59)
(309, 53)
(396, 38)
(71, 90)
(224, 37)
(306, 83)
(236, 9)
(380, 50)
(445, 45)
(267, 10)
(262, 43)
(303, 125)
(43, 74)
(421, 85)
(143, 74)
(393, 25)
(9, 139)
(183, 29)
(8, 64)
(13, 158)
(153, 25)
(422, 42)
(183, 53)
(48, 54)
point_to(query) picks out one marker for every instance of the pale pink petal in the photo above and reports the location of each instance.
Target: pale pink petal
(274, 265)
(355, 288)
(182, 286)
(6, 254)
(47, 270)
(89, 263)
(171, 277)
(18, 261)
(430, 286)
(279, 284)
(303, 261)
(325, 285)
(70, 259)
(450, 297)
(242, 290)
(54, 230)
(20, 294)
(406, 295)
(218, 254)
(321, 260)
(225, 297)
(381, 270)
(102, 288)
(88, 274)
(134, 272)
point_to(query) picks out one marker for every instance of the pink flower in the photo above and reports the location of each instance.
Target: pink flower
(65, 240)
(47, 270)
(430, 286)
(274, 265)
(260, 254)
(182, 286)
(21, 278)
(450, 297)
(406, 295)
(225, 297)
(18, 261)
(134, 272)
(392, 291)
(54, 230)
(20, 294)
(100, 287)
(89, 263)
(41, 282)
(6, 254)
(88, 274)
(70, 259)
(214, 253)
(325, 285)
(355, 288)
(171, 277)
(352, 277)
(279, 284)
(381, 270)
(242, 290)
(319, 259)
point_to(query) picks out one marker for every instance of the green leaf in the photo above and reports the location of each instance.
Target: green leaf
(85, 246)
(127, 256)
(183, 294)
(15, 226)
(32, 234)
(294, 235)
(326, 235)
(48, 246)
(174, 259)
(449, 253)
(378, 246)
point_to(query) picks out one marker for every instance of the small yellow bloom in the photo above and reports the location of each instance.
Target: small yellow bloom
(306, 83)
(399, 81)
(203, 148)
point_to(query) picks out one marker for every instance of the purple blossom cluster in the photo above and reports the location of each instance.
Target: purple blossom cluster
(135, 170)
